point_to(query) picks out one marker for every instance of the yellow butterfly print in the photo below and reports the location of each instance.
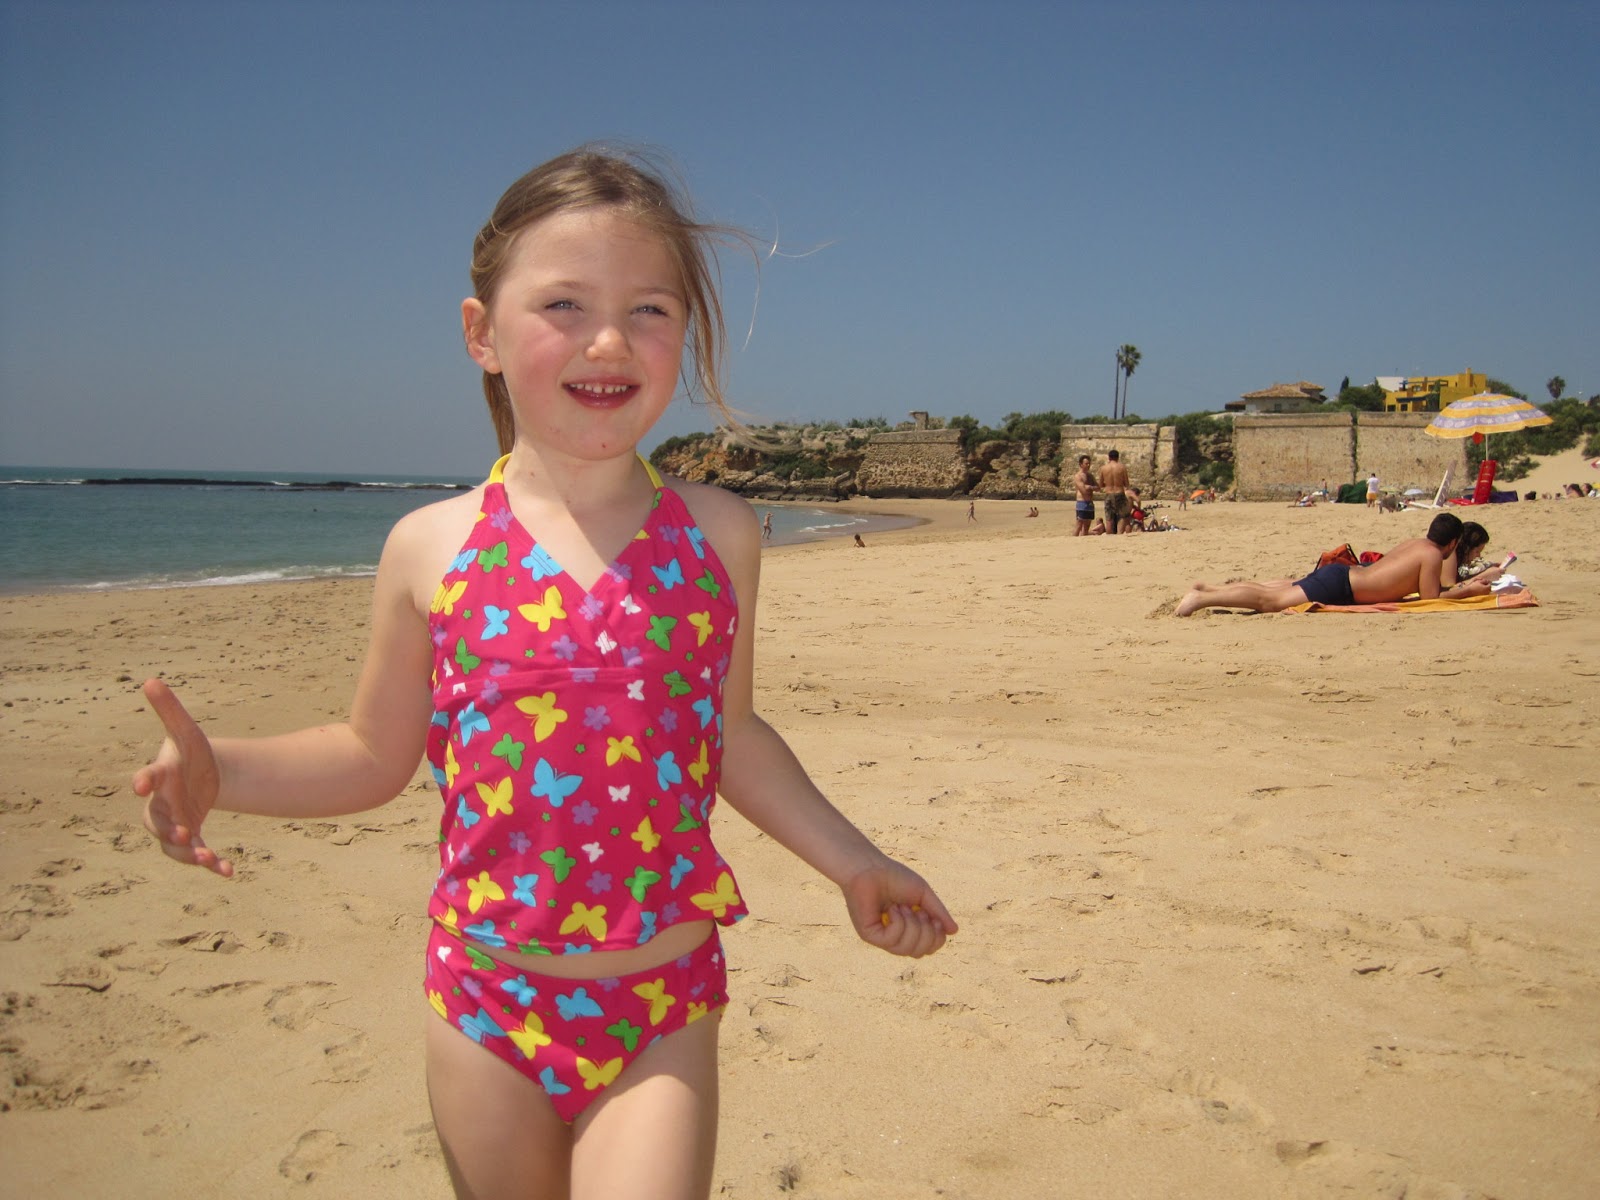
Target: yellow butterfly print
(697, 769)
(530, 1037)
(451, 767)
(598, 1075)
(497, 799)
(618, 749)
(646, 836)
(656, 994)
(591, 920)
(544, 713)
(445, 597)
(718, 903)
(482, 890)
(449, 920)
(547, 610)
(437, 1000)
(702, 627)
(697, 1009)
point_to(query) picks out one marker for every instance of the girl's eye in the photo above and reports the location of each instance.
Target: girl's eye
(653, 309)
(560, 304)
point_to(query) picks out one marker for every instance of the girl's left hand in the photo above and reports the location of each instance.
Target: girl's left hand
(894, 909)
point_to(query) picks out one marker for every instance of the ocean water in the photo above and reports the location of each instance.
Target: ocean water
(98, 529)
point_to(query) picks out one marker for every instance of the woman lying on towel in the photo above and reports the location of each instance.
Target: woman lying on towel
(1414, 566)
(1466, 560)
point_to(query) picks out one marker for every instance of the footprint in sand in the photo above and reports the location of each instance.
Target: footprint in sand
(314, 1152)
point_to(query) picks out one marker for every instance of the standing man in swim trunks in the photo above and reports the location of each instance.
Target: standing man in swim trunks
(1083, 483)
(1412, 566)
(1372, 489)
(1114, 483)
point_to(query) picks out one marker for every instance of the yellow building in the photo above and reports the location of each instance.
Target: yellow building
(1428, 393)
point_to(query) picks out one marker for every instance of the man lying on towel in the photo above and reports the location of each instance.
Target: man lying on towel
(1412, 567)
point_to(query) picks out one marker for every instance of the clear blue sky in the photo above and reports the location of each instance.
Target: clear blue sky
(235, 235)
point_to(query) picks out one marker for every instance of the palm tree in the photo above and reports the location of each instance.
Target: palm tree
(1127, 362)
(1556, 386)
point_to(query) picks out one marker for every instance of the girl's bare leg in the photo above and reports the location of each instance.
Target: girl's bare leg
(500, 1134)
(653, 1135)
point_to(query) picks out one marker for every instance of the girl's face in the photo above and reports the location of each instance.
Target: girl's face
(587, 330)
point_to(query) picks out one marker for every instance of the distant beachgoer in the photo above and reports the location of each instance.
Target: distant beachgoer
(1114, 483)
(1372, 490)
(1083, 484)
(859, 542)
(766, 527)
(1412, 566)
(972, 510)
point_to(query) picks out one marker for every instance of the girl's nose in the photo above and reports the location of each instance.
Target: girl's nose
(610, 343)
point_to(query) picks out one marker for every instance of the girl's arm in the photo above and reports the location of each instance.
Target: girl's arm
(325, 771)
(890, 905)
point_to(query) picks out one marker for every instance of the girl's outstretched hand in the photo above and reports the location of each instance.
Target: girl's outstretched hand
(894, 909)
(180, 786)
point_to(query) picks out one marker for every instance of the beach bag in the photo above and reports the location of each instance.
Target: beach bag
(1343, 554)
(1370, 556)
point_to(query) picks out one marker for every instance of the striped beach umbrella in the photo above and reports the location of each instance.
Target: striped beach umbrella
(1485, 413)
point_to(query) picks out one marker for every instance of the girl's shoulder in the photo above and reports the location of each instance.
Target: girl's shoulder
(423, 543)
(727, 520)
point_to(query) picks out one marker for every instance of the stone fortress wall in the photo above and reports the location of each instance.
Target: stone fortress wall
(1275, 457)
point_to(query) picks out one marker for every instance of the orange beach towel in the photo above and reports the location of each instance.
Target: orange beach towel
(1522, 598)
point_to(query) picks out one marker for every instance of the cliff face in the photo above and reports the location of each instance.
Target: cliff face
(838, 464)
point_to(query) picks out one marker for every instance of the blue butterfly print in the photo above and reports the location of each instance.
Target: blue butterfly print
(647, 927)
(438, 776)
(539, 562)
(671, 575)
(521, 989)
(479, 1027)
(484, 932)
(465, 815)
(697, 540)
(679, 869)
(552, 1085)
(440, 718)
(571, 949)
(707, 709)
(579, 1004)
(494, 621)
(552, 785)
(667, 770)
(471, 721)
(522, 888)
(462, 561)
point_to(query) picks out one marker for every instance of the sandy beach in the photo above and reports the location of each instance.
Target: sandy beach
(1252, 906)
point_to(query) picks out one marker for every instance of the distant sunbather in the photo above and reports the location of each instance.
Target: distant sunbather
(1412, 566)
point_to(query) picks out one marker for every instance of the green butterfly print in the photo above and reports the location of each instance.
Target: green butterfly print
(480, 960)
(640, 881)
(492, 558)
(560, 863)
(708, 583)
(510, 751)
(661, 631)
(689, 820)
(676, 684)
(465, 659)
(626, 1033)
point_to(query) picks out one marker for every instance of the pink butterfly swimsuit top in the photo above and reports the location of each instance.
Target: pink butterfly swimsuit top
(577, 736)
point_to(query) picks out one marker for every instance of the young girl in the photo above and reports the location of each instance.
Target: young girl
(571, 645)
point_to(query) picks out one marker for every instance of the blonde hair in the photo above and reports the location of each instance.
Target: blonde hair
(600, 177)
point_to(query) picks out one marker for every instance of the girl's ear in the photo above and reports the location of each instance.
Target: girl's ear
(479, 335)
